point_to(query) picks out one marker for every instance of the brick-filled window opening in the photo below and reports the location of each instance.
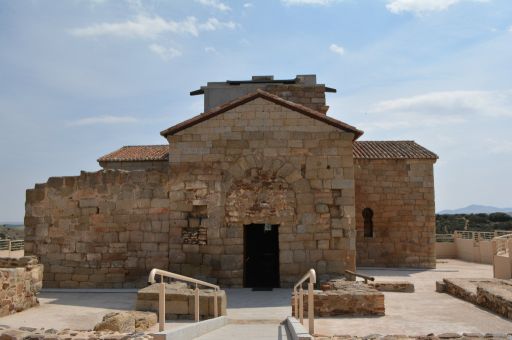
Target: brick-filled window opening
(368, 222)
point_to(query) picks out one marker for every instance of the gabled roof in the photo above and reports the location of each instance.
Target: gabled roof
(391, 150)
(270, 97)
(138, 153)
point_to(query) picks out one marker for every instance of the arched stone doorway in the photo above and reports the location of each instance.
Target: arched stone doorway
(261, 204)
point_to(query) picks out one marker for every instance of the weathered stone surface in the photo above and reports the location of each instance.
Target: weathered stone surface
(119, 322)
(20, 281)
(401, 195)
(179, 301)
(393, 286)
(99, 230)
(346, 298)
(127, 322)
(492, 294)
(440, 287)
(7, 333)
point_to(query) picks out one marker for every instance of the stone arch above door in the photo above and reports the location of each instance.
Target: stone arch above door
(278, 166)
(262, 189)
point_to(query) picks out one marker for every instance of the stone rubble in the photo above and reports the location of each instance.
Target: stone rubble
(127, 322)
(341, 297)
(29, 333)
(492, 294)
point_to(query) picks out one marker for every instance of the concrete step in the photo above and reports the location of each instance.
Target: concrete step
(250, 331)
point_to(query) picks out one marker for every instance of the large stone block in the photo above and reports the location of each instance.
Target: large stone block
(348, 299)
(179, 301)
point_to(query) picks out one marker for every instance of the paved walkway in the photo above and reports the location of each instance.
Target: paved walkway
(424, 311)
(248, 332)
(77, 311)
(244, 304)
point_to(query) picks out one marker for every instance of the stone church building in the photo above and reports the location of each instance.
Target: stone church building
(253, 192)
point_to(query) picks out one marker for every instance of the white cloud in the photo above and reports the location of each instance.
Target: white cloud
(438, 108)
(337, 49)
(307, 2)
(150, 27)
(422, 6)
(214, 24)
(104, 120)
(248, 5)
(166, 53)
(486, 103)
(510, 29)
(498, 146)
(215, 4)
(209, 49)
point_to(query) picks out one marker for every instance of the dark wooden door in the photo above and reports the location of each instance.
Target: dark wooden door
(261, 255)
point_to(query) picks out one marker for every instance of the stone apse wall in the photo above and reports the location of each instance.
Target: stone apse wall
(102, 229)
(258, 163)
(261, 163)
(401, 196)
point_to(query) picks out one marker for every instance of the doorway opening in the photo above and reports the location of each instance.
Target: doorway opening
(261, 256)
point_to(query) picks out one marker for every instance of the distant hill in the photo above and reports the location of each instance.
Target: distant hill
(475, 209)
(448, 223)
(11, 224)
(12, 231)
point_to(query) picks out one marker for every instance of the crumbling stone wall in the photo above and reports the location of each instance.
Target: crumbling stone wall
(101, 229)
(401, 196)
(262, 163)
(20, 281)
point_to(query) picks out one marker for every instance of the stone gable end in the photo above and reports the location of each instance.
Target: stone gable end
(263, 163)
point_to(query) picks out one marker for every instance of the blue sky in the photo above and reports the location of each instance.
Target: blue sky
(81, 78)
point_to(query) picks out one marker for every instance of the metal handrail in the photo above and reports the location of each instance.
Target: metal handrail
(298, 299)
(444, 237)
(501, 244)
(476, 235)
(498, 233)
(161, 294)
(12, 245)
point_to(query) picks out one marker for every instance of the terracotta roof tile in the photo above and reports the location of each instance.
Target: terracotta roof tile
(138, 153)
(362, 150)
(391, 150)
(268, 96)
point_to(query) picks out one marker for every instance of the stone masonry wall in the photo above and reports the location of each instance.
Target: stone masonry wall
(309, 96)
(133, 165)
(20, 281)
(261, 163)
(101, 229)
(401, 196)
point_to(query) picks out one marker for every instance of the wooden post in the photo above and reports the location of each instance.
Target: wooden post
(311, 309)
(295, 303)
(215, 307)
(196, 303)
(161, 305)
(301, 305)
(494, 253)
